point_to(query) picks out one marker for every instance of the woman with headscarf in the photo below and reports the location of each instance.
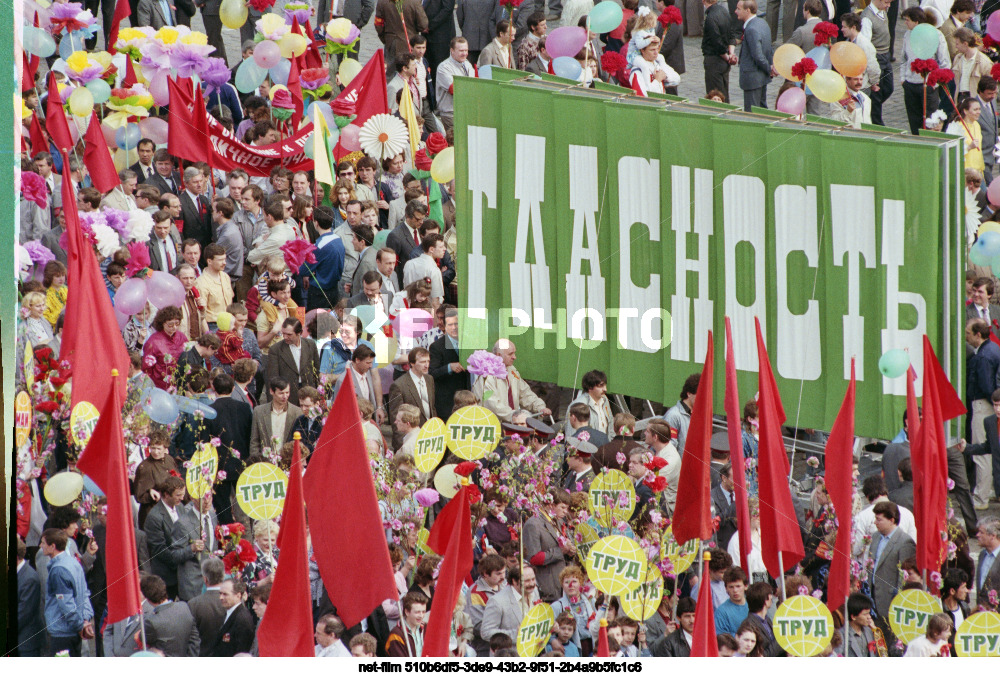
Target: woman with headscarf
(648, 71)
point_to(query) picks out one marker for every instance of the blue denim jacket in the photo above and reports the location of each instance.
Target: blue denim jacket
(67, 599)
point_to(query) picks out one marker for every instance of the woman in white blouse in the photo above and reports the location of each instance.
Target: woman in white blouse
(648, 71)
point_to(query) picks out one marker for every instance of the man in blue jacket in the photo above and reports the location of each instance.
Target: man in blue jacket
(324, 275)
(69, 617)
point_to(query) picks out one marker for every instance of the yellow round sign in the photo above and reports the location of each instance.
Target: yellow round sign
(201, 471)
(803, 626)
(473, 431)
(82, 421)
(979, 636)
(430, 445)
(29, 366)
(586, 536)
(616, 565)
(642, 602)
(680, 556)
(22, 418)
(910, 612)
(261, 489)
(611, 498)
(422, 547)
(535, 628)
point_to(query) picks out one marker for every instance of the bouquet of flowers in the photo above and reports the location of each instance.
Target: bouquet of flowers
(234, 551)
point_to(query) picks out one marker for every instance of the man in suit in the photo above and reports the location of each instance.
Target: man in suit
(987, 94)
(30, 623)
(981, 307)
(170, 628)
(295, 359)
(155, 13)
(231, 426)
(803, 37)
(756, 55)
(578, 422)
(889, 547)
(903, 495)
(370, 293)
(169, 545)
(405, 236)
(273, 420)
(580, 474)
(498, 52)
(540, 64)
(718, 45)
(988, 566)
(860, 635)
(415, 388)
(361, 239)
(166, 178)
(505, 609)
(207, 609)
(989, 449)
(366, 386)
(678, 642)
(545, 548)
(144, 167)
(448, 373)
(724, 506)
(196, 212)
(981, 374)
(856, 107)
(236, 634)
(196, 524)
(511, 393)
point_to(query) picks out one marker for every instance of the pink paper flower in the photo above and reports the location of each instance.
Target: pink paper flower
(297, 252)
(139, 258)
(483, 363)
(33, 188)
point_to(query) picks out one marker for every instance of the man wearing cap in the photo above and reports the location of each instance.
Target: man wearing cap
(580, 474)
(511, 393)
(578, 425)
(720, 456)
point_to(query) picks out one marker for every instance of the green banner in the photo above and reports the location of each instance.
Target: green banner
(611, 233)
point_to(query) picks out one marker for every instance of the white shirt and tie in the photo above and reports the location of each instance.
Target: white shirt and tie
(146, 170)
(168, 253)
(422, 391)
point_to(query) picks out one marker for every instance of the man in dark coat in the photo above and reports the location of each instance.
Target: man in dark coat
(231, 425)
(236, 634)
(30, 623)
(447, 371)
(678, 642)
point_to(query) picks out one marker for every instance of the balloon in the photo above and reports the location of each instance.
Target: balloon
(159, 88)
(443, 166)
(147, 653)
(188, 405)
(249, 76)
(848, 59)
(121, 318)
(349, 68)
(63, 488)
(350, 139)
(380, 238)
(827, 85)
(989, 244)
(993, 191)
(605, 17)
(161, 407)
(164, 290)
(109, 134)
(993, 26)
(154, 129)
(130, 297)
(786, 56)
(292, 45)
(821, 55)
(81, 102)
(567, 67)
(91, 487)
(894, 363)
(267, 54)
(325, 111)
(100, 90)
(486, 72)
(72, 42)
(978, 256)
(37, 42)
(792, 101)
(125, 159)
(565, 41)
(279, 74)
(233, 13)
(128, 136)
(924, 40)
(988, 226)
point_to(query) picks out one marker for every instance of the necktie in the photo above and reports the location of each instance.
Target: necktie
(201, 207)
(423, 397)
(510, 393)
(166, 12)
(207, 530)
(416, 240)
(253, 399)
(167, 256)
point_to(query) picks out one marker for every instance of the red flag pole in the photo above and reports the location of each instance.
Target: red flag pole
(732, 406)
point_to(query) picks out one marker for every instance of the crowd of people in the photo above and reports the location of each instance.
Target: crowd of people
(257, 347)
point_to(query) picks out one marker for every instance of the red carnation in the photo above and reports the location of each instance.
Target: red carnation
(236, 529)
(465, 468)
(804, 68)
(474, 494)
(232, 562)
(421, 161)
(613, 62)
(940, 76)
(297, 252)
(43, 354)
(656, 464)
(48, 407)
(923, 66)
(657, 485)
(995, 71)
(436, 143)
(261, 5)
(824, 32)
(670, 15)
(246, 552)
(512, 4)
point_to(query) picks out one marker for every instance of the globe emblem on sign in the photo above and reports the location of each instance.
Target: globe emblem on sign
(430, 445)
(617, 565)
(261, 489)
(533, 633)
(642, 602)
(680, 556)
(473, 431)
(803, 626)
(979, 636)
(611, 498)
(910, 612)
(82, 422)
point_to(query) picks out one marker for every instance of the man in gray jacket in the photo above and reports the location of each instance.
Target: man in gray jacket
(756, 55)
(505, 610)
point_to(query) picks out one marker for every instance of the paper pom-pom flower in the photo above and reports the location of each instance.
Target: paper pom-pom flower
(341, 36)
(282, 106)
(383, 136)
(613, 63)
(465, 468)
(670, 15)
(483, 363)
(297, 10)
(297, 252)
(107, 239)
(69, 17)
(272, 27)
(824, 31)
(139, 225)
(138, 258)
(426, 497)
(82, 69)
(923, 66)
(315, 82)
(803, 69)
(33, 188)
(215, 74)
(940, 76)
(188, 59)
(436, 142)
(421, 161)
(39, 253)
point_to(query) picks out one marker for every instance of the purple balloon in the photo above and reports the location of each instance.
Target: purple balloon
(993, 25)
(130, 298)
(159, 89)
(121, 318)
(165, 290)
(566, 41)
(793, 101)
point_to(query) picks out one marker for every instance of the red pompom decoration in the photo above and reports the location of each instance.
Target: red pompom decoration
(824, 32)
(657, 485)
(923, 66)
(940, 76)
(803, 68)
(246, 552)
(261, 5)
(421, 161)
(670, 15)
(466, 468)
(613, 63)
(436, 143)
(474, 494)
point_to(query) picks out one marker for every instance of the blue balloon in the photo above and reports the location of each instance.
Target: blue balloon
(72, 42)
(91, 487)
(189, 405)
(161, 407)
(989, 244)
(605, 17)
(567, 67)
(924, 41)
(279, 74)
(38, 43)
(821, 55)
(100, 90)
(486, 72)
(144, 653)
(128, 137)
(249, 76)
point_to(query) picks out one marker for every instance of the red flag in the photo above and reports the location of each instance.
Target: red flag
(451, 536)
(367, 91)
(286, 630)
(29, 66)
(929, 452)
(692, 517)
(98, 159)
(122, 12)
(603, 649)
(839, 483)
(338, 482)
(55, 119)
(779, 529)
(912, 410)
(736, 451)
(39, 141)
(313, 58)
(130, 78)
(295, 88)
(704, 642)
(104, 462)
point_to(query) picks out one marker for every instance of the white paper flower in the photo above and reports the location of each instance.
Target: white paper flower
(22, 264)
(140, 224)
(107, 239)
(972, 217)
(383, 136)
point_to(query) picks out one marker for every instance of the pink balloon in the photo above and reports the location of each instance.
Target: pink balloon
(109, 135)
(350, 137)
(163, 290)
(566, 41)
(121, 318)
(154, 129)
(159, 89)
(267, 54)
(993, 26)
(793, 101)
(130, 297)
(993, 191)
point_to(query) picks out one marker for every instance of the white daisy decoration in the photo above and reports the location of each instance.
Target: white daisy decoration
(383, 136)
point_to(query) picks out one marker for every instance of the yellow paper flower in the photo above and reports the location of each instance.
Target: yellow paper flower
(102, 58)
(167, 35)
(195, 38)
(271, 23)
(78, 61)
(338, 29)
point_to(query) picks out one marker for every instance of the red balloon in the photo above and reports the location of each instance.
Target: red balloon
(993, 191)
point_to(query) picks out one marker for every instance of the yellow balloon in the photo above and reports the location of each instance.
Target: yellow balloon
(271, 23)
(443, 166)
(785, 57)
(81, 102)
(233, 13)
(828, 86)
(988, 226)
(124, 160)
(292, 45)
(848, 59)
(349, 68)
(63, 488)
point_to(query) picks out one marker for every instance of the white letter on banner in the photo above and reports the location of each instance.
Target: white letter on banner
(530, 290)
(680, 222)
(743, 221)
(853, 222)
(584, 292)
(799, 344)
(893, 223)
(638, 202)
(483, 185)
